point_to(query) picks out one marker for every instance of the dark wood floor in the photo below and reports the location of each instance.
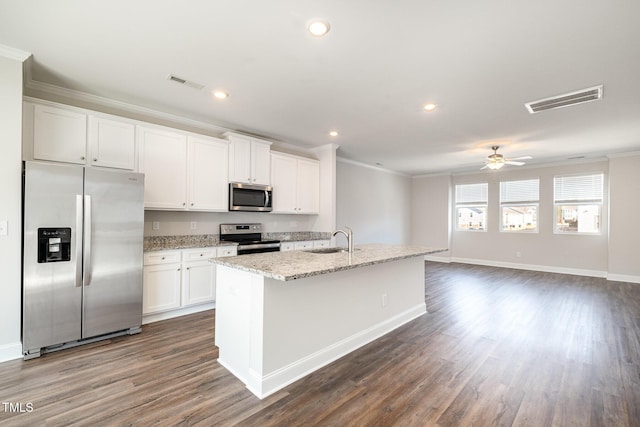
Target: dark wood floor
(498, 347)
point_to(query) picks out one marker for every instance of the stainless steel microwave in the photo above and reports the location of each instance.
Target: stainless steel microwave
(250, 197)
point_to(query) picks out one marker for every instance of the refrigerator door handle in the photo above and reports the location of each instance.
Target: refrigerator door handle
(86, 270)
(78, 240)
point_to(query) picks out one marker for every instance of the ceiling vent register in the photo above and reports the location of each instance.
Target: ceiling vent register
(566, 100)
(185, 82)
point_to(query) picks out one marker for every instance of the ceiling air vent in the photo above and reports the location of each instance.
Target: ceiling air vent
(185, 82)
(565, 100)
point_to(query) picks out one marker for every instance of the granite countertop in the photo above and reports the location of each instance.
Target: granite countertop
(163, 243)
(293, 265)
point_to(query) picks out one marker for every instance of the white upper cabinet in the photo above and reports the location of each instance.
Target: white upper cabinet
(72, 135)
(296, 184)
(183, 171)
(112, 143)
(59, 134)
(249, 160)
(163, 160)
(208, 174)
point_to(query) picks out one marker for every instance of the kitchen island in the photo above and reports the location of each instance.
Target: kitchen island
(283, 315)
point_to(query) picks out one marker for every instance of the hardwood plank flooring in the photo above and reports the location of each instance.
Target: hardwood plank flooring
(499, 347)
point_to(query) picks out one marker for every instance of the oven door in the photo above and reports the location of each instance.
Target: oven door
(249, 197)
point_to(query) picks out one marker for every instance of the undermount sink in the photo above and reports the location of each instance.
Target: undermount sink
(327, 250)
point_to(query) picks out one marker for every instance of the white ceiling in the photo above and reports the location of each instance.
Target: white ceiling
(480, 61)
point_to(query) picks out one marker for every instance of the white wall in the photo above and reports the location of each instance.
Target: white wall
(10, 208)
(431, 213)
(578, 254)
(624, 228)
(374, 203)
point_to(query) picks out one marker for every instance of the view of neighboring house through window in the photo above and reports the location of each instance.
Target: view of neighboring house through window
(519, 205)
(471, 206)
(578, 203)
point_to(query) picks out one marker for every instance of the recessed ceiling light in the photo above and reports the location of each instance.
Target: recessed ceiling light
(430, 106)
(318, 27)
(333, 133)
(220, 94)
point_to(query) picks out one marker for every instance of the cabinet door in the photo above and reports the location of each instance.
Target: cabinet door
(308, 190)
(163, 160)
(160, 288)
(199, 283)
(240, 160)
(112, 143)
(261, 163)
(283, 180)
(59, 135)
(208, 174)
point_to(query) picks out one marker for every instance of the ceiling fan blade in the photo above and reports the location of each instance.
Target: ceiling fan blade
(509, 162)
(484, 167)
(522, 158)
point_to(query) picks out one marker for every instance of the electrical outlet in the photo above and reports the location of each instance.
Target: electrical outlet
(155, 225)
(384, 300)
(194, 225)
(518, 254)
(4, 227)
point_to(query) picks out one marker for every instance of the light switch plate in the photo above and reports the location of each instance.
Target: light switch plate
(155, 225)
(4, 227)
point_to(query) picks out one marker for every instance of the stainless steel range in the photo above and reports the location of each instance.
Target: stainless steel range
(248, 237)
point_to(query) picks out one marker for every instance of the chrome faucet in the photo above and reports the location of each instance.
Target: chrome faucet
(349, 235)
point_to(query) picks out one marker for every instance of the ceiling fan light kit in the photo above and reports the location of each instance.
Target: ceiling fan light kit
(497, 161)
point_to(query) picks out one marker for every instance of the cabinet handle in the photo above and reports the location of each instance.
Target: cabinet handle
(82, 158)
(178, 269)
(184, 203)
(201, 254)
(162, 257)
(95, 160)
(191, 204)
(187, 268)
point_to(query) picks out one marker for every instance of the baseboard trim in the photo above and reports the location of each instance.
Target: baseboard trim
(435, 258)
(10, 352)
(156, 317)
(266, 385)
(623, 278)
(533, 267)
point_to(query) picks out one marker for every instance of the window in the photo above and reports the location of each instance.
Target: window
(578, 203)
(519, 205)
(471, 206)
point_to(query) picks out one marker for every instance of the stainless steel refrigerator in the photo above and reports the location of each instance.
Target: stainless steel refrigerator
(82, 255)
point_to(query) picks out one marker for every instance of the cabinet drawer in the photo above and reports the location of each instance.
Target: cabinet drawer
(198, 254)
(321, 243)
(161, 257)
(227, 251)
(286, 246)
(303, 245)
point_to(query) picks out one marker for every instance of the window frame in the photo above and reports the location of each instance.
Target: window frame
(478, 204)
(558, 204)
(523, 203)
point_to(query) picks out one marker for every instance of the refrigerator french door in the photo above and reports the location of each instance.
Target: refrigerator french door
(82, 255)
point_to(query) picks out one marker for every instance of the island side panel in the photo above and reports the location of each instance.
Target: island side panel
(238, 322)
(310, 322)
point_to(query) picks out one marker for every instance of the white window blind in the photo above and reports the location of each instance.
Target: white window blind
(472, 193)
(523, 191)
(581, 188)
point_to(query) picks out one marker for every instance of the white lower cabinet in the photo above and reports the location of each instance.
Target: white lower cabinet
(303, 245)
(178, 279)
(161, 283)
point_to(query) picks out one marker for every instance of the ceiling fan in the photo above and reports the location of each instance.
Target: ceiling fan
(496, 161)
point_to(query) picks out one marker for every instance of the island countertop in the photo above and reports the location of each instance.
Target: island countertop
(293, 265)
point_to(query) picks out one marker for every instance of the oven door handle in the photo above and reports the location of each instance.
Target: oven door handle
(258, 246)
(267, 198)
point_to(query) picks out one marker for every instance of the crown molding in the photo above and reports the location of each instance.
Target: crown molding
(101, 101)
(377, 168)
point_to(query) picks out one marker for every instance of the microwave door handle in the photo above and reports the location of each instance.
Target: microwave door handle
(266, 195)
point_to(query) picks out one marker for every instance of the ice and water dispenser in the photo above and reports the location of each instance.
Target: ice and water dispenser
(54, 244)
